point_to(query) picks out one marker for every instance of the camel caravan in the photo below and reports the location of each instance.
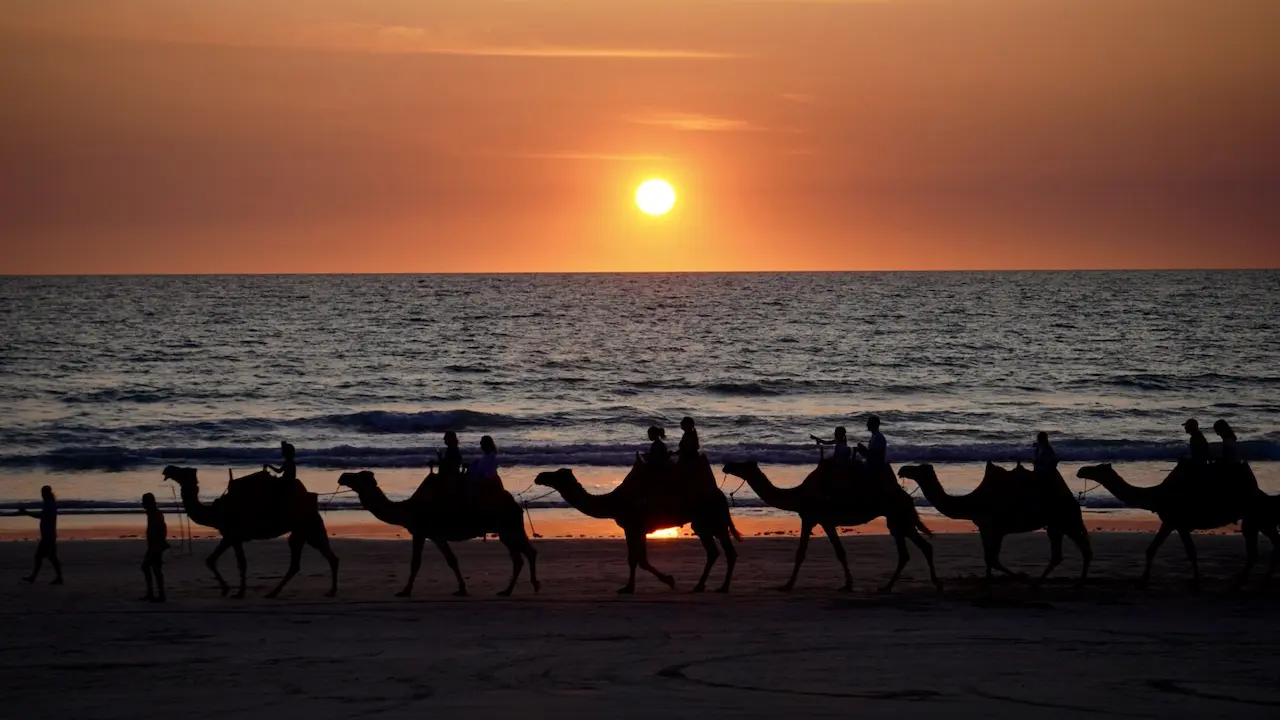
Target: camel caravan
(663, 489)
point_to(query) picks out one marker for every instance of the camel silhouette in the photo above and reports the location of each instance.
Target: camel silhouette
(443, 517)
(1192, 499)
(252, 510)
(857, 501)
(639, 506)
(1008, 502)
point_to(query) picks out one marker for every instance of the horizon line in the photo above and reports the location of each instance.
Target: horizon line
(483, 273)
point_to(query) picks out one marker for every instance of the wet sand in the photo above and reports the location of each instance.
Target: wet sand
(576, 649)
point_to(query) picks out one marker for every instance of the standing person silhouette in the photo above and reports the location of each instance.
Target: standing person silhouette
(877, 450)
(48, 547)
(157, 543)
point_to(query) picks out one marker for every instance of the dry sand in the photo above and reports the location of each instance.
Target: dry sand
(576, 650)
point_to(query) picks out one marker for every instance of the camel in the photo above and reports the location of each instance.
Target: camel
(1182, 506)
(249, 512)
(818, 505)
(443, 518)
(1008, 502)
(639, 510)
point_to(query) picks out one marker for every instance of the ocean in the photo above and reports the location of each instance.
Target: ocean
(107, 379)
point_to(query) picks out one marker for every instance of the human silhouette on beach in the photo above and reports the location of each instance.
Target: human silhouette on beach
(48, 547)
(1229, 453)
(658, 454)
(841, 452)
(483, 472)
(877, 450)
(157, 543)
(288, 469)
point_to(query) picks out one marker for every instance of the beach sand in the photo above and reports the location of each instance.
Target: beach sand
(90, 650)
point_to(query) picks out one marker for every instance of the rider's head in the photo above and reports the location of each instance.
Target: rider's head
(286, 449)
(46, 492)
(149, 501)
(1224, 430)
(1042, 439)
(488, 445)
(686, 424)
(841, 432)
(450, 438)
(873, 423)
(656, 433)
(1191, 426)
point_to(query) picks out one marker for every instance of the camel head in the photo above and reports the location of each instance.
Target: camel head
(742, 468)
(561, 479)
(183, 476)
(1096, 473)
(358, 481)
(923, 471)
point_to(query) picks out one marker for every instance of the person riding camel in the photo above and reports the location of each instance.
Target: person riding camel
(1229, 452)
(484, 471)
(658, 454)
(286, 480)
(1199, 445)
(877, 450)
(841, 453)
(689, 445)
(1045, 462)
(451, 457)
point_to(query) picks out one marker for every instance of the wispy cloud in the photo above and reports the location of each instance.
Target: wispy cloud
(592, 157)
(695, 122)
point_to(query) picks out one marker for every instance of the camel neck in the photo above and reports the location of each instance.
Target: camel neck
(199, 513)
(782, 498)
(957, 507)
(1139, 497)
(596, 506)
(382, 507)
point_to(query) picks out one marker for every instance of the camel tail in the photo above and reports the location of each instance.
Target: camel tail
(922, 527)
(733, 530)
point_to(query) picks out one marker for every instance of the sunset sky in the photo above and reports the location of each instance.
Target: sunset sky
(141, 136)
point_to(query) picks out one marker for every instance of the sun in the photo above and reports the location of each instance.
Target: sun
(655, 197)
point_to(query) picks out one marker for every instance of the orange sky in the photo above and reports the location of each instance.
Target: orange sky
(146, 136)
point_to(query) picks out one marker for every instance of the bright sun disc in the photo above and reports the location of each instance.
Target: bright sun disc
(655, 197)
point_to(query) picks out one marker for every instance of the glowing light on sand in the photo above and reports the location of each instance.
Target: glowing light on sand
(665, 533)
(655, 197)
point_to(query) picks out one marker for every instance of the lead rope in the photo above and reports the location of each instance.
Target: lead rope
(183, 528)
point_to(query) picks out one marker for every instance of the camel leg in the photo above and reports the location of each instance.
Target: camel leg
(730, 559)
(926, 549)
(1161, 536)
(532, 556)
(903, 556)
(805, 531)
(713, 553)
(321, 543)
(212, 563)
(630, 587)
(453, 565)
(1191, 555)
(517, 564)
(1055, 553)
(993, 542)
(833, 534)
(296, 543)
(1081, 538)
(415, 562)
(242, 566)
(642, 557)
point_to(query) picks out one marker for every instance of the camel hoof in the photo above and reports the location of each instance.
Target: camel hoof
(460, 593)
(627, 590)
(504, 593)
(147, 598)
(848, 588)
(404, 593)
(723, 589)
(226, 590)
(240, 596)
(331, 593)
(1143, 583)
(668, 581)
(785, 588)
(699, 588)
(886, 589)
(536, 586)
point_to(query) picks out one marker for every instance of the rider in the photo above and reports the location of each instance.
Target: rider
(1046, 460)
(485, 469)
(1229, 454)
(1199, 445)
(287, 473)
(658, 453)
(841, 452)
(451, 457)
(877, 450)
(689, 445)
